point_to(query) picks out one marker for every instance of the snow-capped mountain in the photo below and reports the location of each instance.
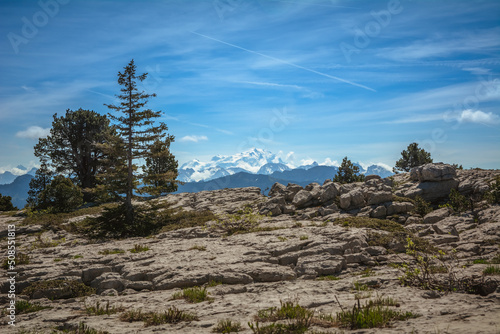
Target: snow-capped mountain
(251, 161)
(254, 161)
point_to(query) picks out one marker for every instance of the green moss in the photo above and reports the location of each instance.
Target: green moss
(193, 295)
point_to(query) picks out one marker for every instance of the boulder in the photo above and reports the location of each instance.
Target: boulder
(291, 190)
(433, 172)
(277, 190)
(437, 215)
(302, 198)
(379, 212)
(399, 208)
(372, 177)
(328, 193)
(378, 197)
(322, 264)
(431, 191)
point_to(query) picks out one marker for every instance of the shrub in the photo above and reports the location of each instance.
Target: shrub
(62, 195)
(298, 319)
(193, 295)
(493, 195)
(459, 202)
(413, 156)
(421, 206)
(371, 315)
(170, 316)
(59, 289)
(24, 306)
(139, 248)
(227, 326)
(348, 173)
(6, 203)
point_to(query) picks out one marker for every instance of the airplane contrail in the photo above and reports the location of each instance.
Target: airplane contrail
(286, 62)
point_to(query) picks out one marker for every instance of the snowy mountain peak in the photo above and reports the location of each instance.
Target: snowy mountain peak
(254, 160)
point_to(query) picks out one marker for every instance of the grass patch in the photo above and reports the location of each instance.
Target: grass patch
(328, 278)
(390, 240)
(491, 270)
(282, 239)
(227, 326)
(246, 221)
(111, 251)
(59, 289)
(213, 283)
(21, 258)
(373, 223)
(184, 219)
(24, 306)
(46, 243)
(480, 261)
(171, 316)
(138, 249)
(304, 237)
(78, 256)
(297, 319)
(371, 315)
(99, 309)
(193, 295)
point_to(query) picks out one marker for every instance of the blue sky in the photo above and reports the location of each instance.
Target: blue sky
(309, 79)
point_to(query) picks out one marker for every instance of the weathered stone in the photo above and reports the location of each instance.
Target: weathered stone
(399, 208)
(437, 215)
(328, 210)
(328, 193)
(433, 172)
(345, 201)
(277, 190)
(291, 190)
(322, 264)
(372, 177)
(302, 198)
(379, 212)
(357, 199)
(361, 257)
(378, 197)
(89, 274)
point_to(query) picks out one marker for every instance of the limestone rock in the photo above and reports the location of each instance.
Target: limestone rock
(437, 215)
(302, 198)
(433, 172)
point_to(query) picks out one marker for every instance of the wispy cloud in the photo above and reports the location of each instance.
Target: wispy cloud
(193, 139)
(287, 63)
(478, 116)
(33, 132)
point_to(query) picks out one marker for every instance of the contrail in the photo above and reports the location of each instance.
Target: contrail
(286, 62)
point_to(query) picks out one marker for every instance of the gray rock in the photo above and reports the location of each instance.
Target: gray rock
(302, 198)
(433, 172)
(291, 190)
(399, 208)
(437, 215)
(378, 197)
(328, 192)
(277, 190)
(372, 177)
(322, 264)
(89, 274)
(345, 201)
(379, 212)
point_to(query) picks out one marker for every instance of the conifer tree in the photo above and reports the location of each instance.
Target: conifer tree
(137, 132)
(413, 156)
(38, 184)
(348, 173)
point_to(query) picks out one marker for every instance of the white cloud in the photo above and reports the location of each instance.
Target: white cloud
(329, 162)
(193, 139)
(34, 132)
(478, 116)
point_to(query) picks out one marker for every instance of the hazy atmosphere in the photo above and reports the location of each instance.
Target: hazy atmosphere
(309, 80)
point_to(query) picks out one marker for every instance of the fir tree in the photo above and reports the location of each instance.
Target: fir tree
(137, 134)
(413, 156)
(36, 197)
(348, 173)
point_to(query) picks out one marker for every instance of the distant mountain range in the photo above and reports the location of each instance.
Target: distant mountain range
(258, 168)
(253, 168)
(9, 177)
(255, 161)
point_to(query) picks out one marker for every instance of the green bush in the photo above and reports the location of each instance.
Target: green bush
(6, 203)
(61, 195)
(348, 173)
(413, 156)
(421, 206)
(493, 195)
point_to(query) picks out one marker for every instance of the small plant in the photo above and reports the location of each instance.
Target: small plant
(84, 329)
(59, 289)
(193, 295)
(367, 272)
(297, 319)
(244, 222)
(491, 270)
(78, 256)
(21, 258)
(304, 237)
(370, 315)
(227, 326)
(421, 206)
(24, 306)
(46, 243)
(282, 239)
(171, 316)
(328, 278)
(57, 260)
(459, 202)
(213, 283)
(480, 261)
(97, 309)
(111, 251)
(139, 248)
(493, 195)
(198, 248)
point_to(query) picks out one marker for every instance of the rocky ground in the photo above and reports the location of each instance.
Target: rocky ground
(319, 247)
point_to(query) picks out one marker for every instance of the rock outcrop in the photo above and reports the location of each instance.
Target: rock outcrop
(316, 244)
